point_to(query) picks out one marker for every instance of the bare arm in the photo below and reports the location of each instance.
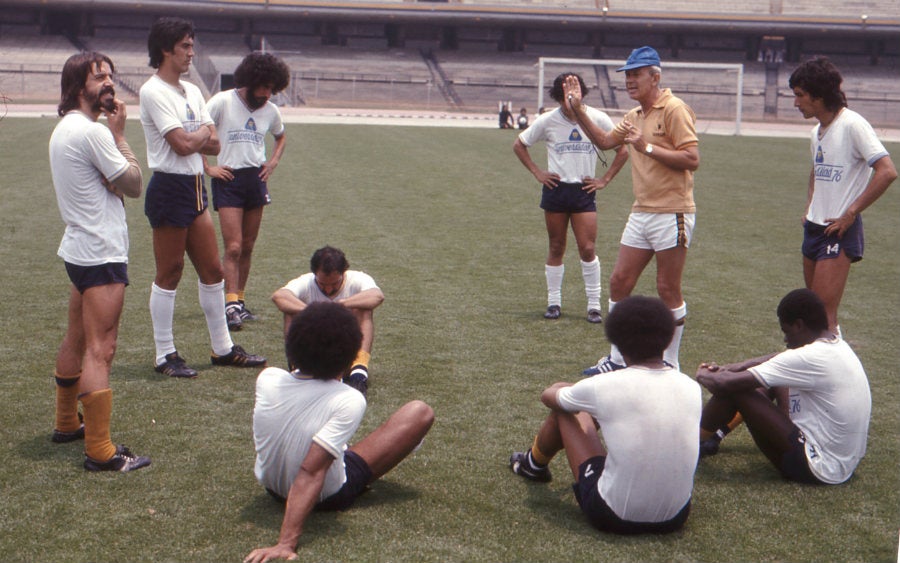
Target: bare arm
(546, 178)
(368, 299)
(548, 396)
(601, 139)
(185, 144)
(212, 145)
(287, 302)
(687, 158)
(718, 380)
(885, 174)
(269, 166)
(301, 500)
(594, 184)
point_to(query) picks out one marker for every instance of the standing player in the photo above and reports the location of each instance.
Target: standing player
(243, 116)
(331, 279)
(179, 130)
(845, 150)
(569, 191)
(92, 168)
(639, 478)
(662, 141)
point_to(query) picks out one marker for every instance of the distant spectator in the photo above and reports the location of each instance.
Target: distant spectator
(522, 120)
(506, 118)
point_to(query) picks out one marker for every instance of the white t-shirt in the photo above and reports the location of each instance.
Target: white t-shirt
(164, 108)
(570, 153)
(842, 164)
(242, 132)
(650, 420)
(830, 403)
(83, 153)
(293, 411)
(305, 289)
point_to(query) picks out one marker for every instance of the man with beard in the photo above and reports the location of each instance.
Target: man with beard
(244, 115)
(93, 168)
(331, 279)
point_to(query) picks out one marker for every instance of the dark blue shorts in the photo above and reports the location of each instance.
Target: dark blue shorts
(568, 198)
(817, 246)
(359, 475)
(86, 277)
(174, 199)
(246, 191)
(794, 465)
(602, 517)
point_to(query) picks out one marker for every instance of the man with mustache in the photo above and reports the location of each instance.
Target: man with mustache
(93, 169)
(244, 115)
(331, 279)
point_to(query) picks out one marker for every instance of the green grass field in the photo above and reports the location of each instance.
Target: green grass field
(447, 221)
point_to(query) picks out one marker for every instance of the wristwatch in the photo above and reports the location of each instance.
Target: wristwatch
(648, 149)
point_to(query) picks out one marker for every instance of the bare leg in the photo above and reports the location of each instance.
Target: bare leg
(391, 442)
(827, 279)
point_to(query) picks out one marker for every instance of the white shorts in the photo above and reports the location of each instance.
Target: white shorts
(658, 231)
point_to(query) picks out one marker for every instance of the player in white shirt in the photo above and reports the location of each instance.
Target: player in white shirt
(304, 420)
(331, 279)
(568, 192)
(817, 433)
(639, 477)
(93, 168)
(179, 130)
(845, 152)
(243, 117)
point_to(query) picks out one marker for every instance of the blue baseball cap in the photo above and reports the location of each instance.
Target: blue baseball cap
(642, 56)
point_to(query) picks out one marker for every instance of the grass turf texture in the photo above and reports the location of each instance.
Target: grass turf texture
(447, 221)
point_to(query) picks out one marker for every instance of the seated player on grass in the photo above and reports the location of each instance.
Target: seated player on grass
(821, 437)
(303, 421)
(639, 477)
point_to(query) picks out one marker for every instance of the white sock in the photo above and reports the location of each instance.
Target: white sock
(590, 272)
(670, 355)
(554, 275)
(614, 355)
(162, 313)
(212, 301)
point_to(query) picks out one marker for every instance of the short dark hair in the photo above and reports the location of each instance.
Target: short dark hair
(641, 327)
(819, 78)
(556, 91)
(803, 304)
(262, 69)
(165, 33)
(74, 77)
(323, 340)
(327, 260)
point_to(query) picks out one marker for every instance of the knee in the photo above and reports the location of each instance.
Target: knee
(168, 276)
(233, 250)
(587, 252)
(420, 413)
(103, 352)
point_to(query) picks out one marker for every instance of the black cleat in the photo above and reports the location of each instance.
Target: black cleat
(233, 316)
(594, 316)
(61, 437)
(358, 378)
(238, 357)
(122, 461)
(553, 312)
(518, 463)
(605, 365)
(175, 366)
(246, 314)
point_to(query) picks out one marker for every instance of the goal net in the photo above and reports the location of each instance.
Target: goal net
(712, 90)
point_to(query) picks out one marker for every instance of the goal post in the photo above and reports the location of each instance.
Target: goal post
(713, 90)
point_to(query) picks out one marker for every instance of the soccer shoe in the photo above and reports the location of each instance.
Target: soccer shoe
(123, 460)
(518, 463)
(175, 366)
(709, 447)
(238, 357)
(553, 312)
(61, 437)
(605, 365)
(594, 316)
(246, 315)
(233, 316)
(358, 378)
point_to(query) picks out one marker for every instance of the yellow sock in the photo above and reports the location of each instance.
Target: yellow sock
(67, 403)
(231, 298)
(240, 296)
(97, 413)
(537, 455)
(362, 359)
(736, 421)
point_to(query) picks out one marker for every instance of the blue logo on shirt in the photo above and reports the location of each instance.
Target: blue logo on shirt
(251, 125)
(575, 135)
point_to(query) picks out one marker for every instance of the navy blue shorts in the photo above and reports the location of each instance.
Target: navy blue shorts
(602, 517)
(568, 198)
(86, 277)
(794, 465)
(246, 191)
(817, 246)
(174, 199)
(359, 475)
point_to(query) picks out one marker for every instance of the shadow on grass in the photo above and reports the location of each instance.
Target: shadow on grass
(40, 448)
